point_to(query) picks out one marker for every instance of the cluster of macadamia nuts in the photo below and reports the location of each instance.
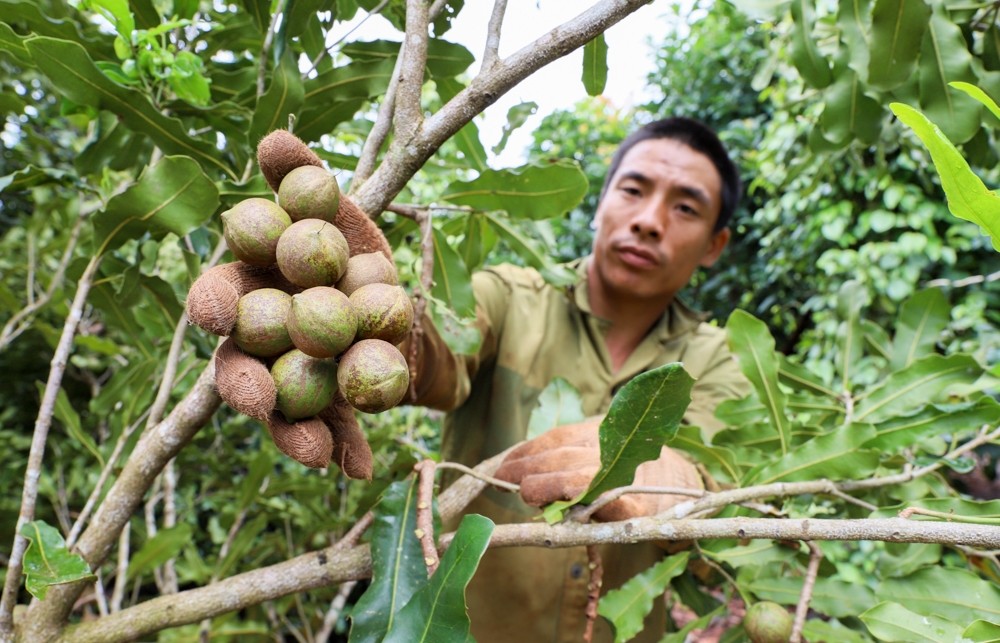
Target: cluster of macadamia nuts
(340, 326)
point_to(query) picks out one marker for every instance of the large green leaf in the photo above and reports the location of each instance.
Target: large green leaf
(897, 32)
(926, 380)
(444, 59)
(904, 431)
(752, 554)
(978, 94)
(517, 116)
(47, 562)
(146, 15)
(889, 621)
(284, 96)
(530, 191)
(753, 345)
(922, 319)
(30, 14)
(398, 568)
(835, 456)
(595, 65)
(968, 197)
(70, 419)
(806, 56)
(452, 282)
(259, 11)
(854, 20)
(830, 596)
(953, 593)
(644, 415)
(336, 95)
(74, 74)
(166, 544)
(627, 607)
(719, 461)
(851, 299)
(982, 631)
(172, 196)
(528, 249)
(850, 113)
(13, 44)
(558, 404)
(466, 139)
(437, 611)
(945, 58)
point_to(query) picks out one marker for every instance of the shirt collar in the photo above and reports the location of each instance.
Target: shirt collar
(678, 319)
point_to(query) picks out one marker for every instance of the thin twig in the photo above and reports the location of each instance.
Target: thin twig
(336, 609)
(425, 514)
(596, 568)
(36, 453)
(491, 55)
(496, 482)
(586, 511)
(326, 50)
(962, 283)
(353, 535)
(815, 557)
(121, 575)
(266, 46)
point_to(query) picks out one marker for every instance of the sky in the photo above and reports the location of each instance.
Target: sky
(558, 85)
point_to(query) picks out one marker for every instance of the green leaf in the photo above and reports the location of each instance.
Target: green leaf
(851, 298)
(172, 196)
(926, 380)
(246, 539)
(516, 117)
(753, 345)
(720, 462)
(466, 139)
(806, 56)
(74, 74)
(530, 192)
(335, 96)
(259, 11)
(753, 554)
(968, 197)
(558, 403)
(644, 415)
(66, 414)
(13, 44)
(452, 282)
(166, 544)
(595, 65)
(906, 431)
(922, 319)
(850, 113)
(800, 378)
(889, 621)
(528, 250)
(146, 15)
(444, 59)
(627, 606)
(283, 96)
(831, 597)
(982, 631)
(945, 58)
(437, 611)
(834, 456)
(47, 562)
(854, 20)
(952, 593)
(978, 94)
(398, 568)
(897, 32)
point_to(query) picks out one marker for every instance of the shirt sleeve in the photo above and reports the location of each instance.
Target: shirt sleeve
(442, 377)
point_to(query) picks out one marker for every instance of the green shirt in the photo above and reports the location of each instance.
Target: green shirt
(534, 332)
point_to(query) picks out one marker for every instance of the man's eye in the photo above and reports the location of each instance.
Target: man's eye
(630, 191)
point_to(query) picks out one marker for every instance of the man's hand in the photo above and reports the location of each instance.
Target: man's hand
(559, 465)
(244, 381)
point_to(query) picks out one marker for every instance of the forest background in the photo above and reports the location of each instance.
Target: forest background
(876, 293)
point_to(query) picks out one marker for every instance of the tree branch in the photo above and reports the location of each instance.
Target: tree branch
(491, 55)
(390, 178)
(409, 115)
(29, 495)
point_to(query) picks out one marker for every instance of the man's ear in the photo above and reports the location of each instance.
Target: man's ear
(715, 247)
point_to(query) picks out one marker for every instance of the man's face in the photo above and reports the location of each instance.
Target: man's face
(655, 224)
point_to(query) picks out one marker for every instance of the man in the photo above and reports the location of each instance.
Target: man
(663, 213)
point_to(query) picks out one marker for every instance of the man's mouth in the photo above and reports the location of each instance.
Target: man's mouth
(637, 256)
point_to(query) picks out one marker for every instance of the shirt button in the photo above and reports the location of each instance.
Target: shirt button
(576, 571)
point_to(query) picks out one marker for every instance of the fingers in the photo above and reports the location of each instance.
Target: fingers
(244, 382)
(307, 441)
(351, 450)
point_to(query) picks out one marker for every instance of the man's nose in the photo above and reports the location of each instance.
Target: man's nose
(649, 221)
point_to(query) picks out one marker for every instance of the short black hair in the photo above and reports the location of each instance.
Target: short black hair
(698, 137)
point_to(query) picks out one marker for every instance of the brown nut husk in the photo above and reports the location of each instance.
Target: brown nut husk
(373, 376)
(305, 385)
(309, 192)
(279, 153)
(260, 327)
(768, 622)
(367, 268)
(306, 441)
(322, 322)
(212, 298)
(252, 228)
(384, 312)
(244, 382)
(351, 450)
(312, 252)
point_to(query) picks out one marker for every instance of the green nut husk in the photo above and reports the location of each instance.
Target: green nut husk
(305, 385)
(252, 228)
(322, 322)
(309, 192)
(260, 322)
(367, 268)
(768, 622)
(373, 376)
(384, 312)
(312, 252)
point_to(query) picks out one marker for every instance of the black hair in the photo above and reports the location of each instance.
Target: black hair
(698, 137)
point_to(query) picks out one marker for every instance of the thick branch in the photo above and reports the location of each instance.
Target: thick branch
(409, 116)
(390, 178)
(151, 454)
